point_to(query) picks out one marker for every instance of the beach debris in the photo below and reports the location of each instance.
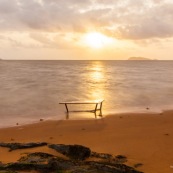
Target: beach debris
(147, 108)
(75, 152)
(41, 119)
(15, 146)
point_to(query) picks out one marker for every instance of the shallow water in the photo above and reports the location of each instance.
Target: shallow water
(31, 90)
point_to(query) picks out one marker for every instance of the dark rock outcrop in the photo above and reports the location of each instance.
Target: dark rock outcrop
(48, 163)
(57, 165)
(107, 167)
(75, 152)
(15, 146)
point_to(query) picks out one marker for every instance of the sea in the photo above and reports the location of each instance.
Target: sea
(30, 91)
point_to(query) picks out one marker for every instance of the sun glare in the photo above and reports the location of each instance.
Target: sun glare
(96, 40)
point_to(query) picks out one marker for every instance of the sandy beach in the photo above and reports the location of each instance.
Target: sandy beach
(144, 138)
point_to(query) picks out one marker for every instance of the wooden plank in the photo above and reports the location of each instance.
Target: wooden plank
(83, 102)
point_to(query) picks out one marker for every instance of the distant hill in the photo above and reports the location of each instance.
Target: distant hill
(139, 58)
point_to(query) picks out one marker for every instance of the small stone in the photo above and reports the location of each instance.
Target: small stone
(166, 134)
(138, 165)
(41, 119)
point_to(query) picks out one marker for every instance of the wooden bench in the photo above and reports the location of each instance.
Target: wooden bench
(96, 102)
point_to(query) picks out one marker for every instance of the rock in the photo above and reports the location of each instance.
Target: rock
(15, 146)
(120, 159)
(106, 167)
(37, 157)
(138, 165)
(41, 154)
(47, 163)
(8, 172)
(75, 152)
(60, 164)
(101, 155)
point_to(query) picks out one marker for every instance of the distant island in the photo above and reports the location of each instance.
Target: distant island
(139, 58)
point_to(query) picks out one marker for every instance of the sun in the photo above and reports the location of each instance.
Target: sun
(96, 40)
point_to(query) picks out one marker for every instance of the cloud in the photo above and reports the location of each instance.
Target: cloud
(155, 24)
(8, 7)
(54, 40)
(128, 19)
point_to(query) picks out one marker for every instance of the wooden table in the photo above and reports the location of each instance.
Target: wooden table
(95, 102)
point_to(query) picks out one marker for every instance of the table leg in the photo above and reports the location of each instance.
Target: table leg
(101, 109)
(96, 107)
(66, 108)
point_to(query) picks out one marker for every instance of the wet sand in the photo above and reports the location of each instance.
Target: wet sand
(145, 138)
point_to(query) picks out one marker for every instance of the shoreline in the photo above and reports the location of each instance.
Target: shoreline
(142, 137)
(82, 116)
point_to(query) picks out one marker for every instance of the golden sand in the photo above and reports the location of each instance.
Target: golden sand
(143, 138)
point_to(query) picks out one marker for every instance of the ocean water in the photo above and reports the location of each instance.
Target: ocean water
(32, 90)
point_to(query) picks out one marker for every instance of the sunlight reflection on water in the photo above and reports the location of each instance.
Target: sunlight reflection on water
(97, 76)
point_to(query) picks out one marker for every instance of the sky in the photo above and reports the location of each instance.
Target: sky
(86, 29)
